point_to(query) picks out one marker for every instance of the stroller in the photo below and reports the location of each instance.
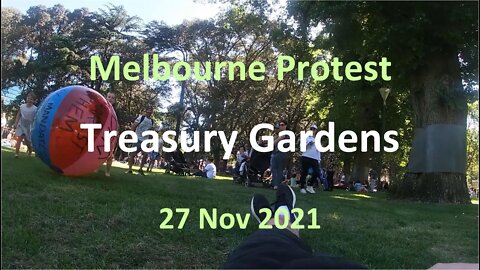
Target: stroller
(252, 170)
(178, 164)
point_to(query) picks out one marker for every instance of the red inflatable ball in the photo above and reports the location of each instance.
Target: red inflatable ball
(57, 137)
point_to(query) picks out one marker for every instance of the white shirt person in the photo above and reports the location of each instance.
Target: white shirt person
(142, 123)
(210, 170)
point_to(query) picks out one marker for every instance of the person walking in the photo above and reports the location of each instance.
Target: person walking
(331, 164)
(142, 123)
(278, 159)
(310, 160)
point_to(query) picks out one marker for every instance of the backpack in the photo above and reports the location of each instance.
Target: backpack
(141, 120)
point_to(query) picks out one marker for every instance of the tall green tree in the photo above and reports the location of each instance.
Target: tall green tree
(14, 47)
(434, 53)
(472, 145)
(50, 48)
(223, 104)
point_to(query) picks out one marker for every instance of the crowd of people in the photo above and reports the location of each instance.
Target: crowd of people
(172, 162)
(8, 137)
(311, 174)
(20, 133)
(314, 171)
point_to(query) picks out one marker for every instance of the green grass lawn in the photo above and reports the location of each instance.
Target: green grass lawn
(52, 221)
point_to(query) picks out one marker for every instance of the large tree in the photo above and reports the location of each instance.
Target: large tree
(433, 49)
(231, 105)
(49, 48)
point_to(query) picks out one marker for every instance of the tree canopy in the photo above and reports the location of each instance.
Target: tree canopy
(433, 48)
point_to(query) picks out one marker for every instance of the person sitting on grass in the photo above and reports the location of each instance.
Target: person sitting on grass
(359, 187)
(280, 248)
(210, 170)
(267, 175)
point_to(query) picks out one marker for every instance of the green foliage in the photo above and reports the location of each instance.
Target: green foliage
(58, 44)
(49, 48)
(405, 32)
(413, 36)
(239, 35)
(472, 145)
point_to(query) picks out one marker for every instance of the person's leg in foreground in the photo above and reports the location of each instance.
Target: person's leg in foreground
(277, 248)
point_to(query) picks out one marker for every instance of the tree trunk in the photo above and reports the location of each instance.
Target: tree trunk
(436, 170)
(347, 168)
(360, 167)
(182, 112)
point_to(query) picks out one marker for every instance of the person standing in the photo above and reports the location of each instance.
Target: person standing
(278, 159)
(248, 150)
(23, 124)
(331, 164)
(242, 156)
(4, 120)
(310, 160)
(112, 98)
(5, 130)
(141, 124)
(155, 156)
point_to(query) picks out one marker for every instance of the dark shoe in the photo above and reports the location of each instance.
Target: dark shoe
(141, 172)
(286, 197)
(129, 172)
(259, 202)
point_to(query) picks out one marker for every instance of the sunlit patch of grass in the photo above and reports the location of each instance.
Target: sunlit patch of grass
(344, 198)
(334, 216)
(223, 178)
(8, 149)
(124, 165)
(361, 195)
